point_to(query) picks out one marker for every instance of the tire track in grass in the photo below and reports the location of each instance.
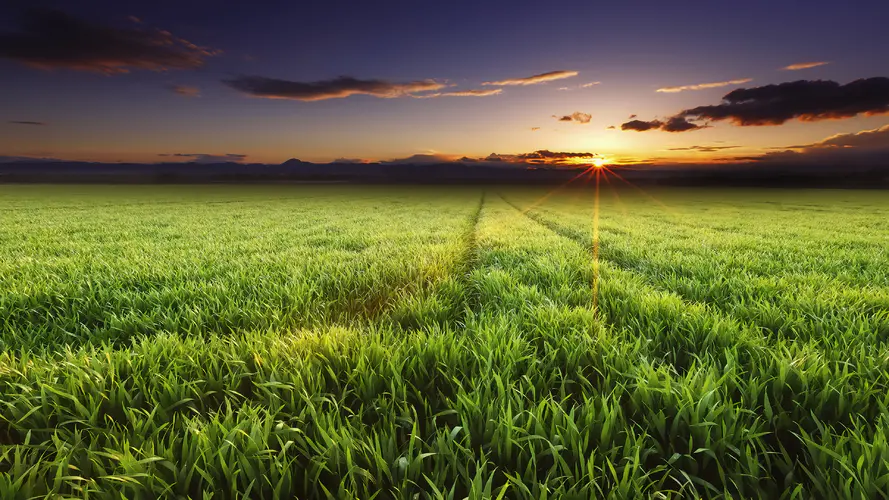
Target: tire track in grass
(450, 301)
(757, 318)
(796, 390)
(470, 260)
(643, 309)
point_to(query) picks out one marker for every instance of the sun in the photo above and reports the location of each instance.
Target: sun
(599, 162)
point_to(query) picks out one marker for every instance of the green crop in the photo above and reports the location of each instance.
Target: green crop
(334, 341)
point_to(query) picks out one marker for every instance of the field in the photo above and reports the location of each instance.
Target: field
(376, 342)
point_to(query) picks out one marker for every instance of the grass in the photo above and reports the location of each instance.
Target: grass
(370, 342)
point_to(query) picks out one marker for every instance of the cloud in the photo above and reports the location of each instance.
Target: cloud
(186, 90)
(864, 148)
(805, 65)
(344, 86)
(351, 160)
(632, 117)
(461, 93)
(26, 122)
(680, 124)
(577, 117)
(472, 93)
(531, 80)
(564, 88)
(611, 127)
(804, 100)
(704, 149)
(674, 124)
(866, 139)
(702, 86)
(546, 157)
(641, 126)
(544, 154)
(873, 139)
(535, 129)
(588, 85)
(52, 39)
(420, 159)
(207, 158)
(540, 157)
(26, 159)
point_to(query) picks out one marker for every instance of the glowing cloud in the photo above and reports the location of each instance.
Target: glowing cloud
(576, 117)
(805, 65)
(702, 86)
(535, 79)
(461, 93)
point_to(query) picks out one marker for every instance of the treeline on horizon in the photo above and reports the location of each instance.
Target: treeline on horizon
(440, 173)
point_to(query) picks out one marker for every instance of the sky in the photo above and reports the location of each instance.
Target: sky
(167, 80)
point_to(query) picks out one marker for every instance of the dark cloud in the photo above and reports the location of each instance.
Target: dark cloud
(531, 80)
(344, 86)
(535, 129)
(420, 159)
(540, 157)
(704, 149)
(350, 160)
(803, 100)
(633, 117)
(26, 159)
(577, 117)
(674, 124)
(206, 157)
(26, 122)
(642, 126)
(544, 154)
(611, 127)
(186, 90)
(680, 124)
(54, 39)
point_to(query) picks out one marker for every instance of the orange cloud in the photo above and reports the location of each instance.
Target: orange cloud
(461, 93)
(535, 79)
(702, 86)
(577, 116)
(805, 65)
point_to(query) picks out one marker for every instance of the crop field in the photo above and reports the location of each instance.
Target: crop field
(332, 341)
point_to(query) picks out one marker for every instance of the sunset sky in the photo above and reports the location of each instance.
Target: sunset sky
(131, 81)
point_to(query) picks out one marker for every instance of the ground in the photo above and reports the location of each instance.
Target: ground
(415, 342)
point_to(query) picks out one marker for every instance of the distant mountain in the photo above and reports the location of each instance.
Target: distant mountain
(464, 171)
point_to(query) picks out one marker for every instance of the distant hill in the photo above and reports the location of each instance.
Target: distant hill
(459, 172)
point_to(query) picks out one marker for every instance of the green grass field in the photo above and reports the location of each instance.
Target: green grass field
(375, 342)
